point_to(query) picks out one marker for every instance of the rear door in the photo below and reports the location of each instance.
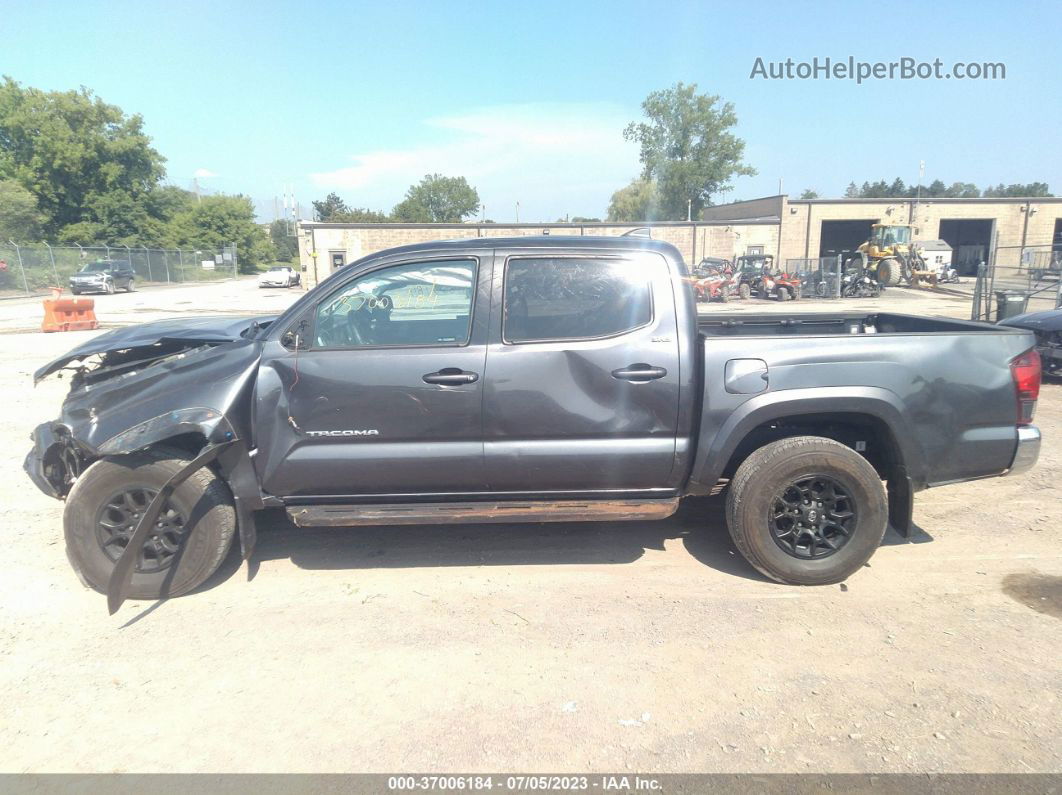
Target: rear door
(386, 395)
(583, 377)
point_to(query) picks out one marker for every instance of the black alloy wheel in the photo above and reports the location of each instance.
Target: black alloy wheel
(813, 517)
(117, 518)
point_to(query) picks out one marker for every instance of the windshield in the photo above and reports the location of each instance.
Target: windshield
(95, 267)
(893, 235)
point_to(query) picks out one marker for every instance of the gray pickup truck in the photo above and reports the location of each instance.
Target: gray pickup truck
(526, 379)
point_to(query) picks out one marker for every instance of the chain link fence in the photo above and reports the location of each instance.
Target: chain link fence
(36, 269)
(1017, 278)
(819, 277)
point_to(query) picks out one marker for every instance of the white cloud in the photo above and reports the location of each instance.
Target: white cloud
(552, 158)
(201, 173)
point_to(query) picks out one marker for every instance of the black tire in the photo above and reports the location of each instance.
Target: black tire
(782, 293)
(75, 291)
(766, 473)
(129, 286)
(724, 295)
(889, 272)
(744, 291)
(109, 288)
(203, 500)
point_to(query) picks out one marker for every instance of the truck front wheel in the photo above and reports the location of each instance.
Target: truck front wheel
(188, 542)
(807, 510)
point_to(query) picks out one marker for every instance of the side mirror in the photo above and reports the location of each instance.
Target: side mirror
(295, 337)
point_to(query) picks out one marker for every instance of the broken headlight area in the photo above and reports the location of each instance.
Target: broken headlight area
(56, 460)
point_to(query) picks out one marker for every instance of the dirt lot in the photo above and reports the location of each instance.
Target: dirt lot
(586, 647)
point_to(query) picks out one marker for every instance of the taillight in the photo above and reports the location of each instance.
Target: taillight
(1025, 370)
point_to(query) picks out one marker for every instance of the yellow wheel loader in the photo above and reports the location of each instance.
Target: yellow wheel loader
(891, 256)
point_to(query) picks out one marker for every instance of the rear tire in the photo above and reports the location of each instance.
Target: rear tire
(129, 287)
(782, 293)
(200, 522)
(768, 478)
(745, 291)
(75, 291)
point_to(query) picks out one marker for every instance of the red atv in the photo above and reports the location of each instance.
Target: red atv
(713, 280)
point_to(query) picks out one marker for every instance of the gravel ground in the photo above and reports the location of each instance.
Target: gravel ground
(587, 647)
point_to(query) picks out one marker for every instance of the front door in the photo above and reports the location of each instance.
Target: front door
(583, 374)
(383, 393)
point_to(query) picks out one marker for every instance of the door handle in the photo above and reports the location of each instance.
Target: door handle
(451, 376)
(639, 373)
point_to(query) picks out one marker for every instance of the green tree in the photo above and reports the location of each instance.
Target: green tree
(286, 246)
(219, 221)
(329, 207)
(808, 193)
(85, 161)
(437, 200)
(687, 148)
(935, 189)
(639, 201)
(1017, 190)
(852, 191)
(962, 190)
(19, 217)
(362, 215)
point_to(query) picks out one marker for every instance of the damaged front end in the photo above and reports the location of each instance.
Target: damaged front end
(177, 380)
(55, 461)
(186, 386)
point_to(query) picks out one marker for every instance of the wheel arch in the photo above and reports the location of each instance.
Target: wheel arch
(868, 414)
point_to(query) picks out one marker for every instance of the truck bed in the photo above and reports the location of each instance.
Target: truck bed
(833, 323)
(946, 382)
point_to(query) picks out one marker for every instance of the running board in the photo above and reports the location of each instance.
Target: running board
(480, 512)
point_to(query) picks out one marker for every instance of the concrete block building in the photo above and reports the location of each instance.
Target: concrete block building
(976, 230)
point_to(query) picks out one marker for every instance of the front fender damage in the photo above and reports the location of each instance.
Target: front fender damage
(197, 399)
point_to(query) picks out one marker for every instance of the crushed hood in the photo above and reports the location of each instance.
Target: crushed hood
(1047, 321)
(190, 330)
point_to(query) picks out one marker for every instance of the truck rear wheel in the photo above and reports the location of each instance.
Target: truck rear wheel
(188, 543)
(745, 291)
(806, 510)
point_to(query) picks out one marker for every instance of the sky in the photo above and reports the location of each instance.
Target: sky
(528, 100)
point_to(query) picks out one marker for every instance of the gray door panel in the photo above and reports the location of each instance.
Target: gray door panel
(363, 419)
(575, 415)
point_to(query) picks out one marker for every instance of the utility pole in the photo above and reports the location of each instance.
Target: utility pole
(689, 209)
(518, 212)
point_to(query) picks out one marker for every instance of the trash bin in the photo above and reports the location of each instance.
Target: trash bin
(1010, 303)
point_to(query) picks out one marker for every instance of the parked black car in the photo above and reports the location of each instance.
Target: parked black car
(103, 276)
(1047, 326)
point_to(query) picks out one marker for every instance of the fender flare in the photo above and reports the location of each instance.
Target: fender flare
(233, 458)
(883, 405)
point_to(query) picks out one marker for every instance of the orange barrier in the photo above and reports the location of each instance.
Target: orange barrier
(69, 314)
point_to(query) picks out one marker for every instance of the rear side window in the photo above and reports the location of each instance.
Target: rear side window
(572, 298)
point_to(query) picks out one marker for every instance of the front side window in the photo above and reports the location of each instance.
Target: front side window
(570, 298)
(418, 303)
